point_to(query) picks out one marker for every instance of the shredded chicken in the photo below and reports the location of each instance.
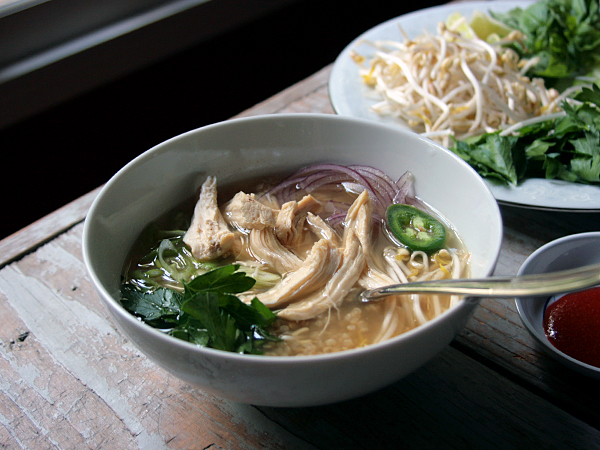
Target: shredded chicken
(318, 268)
(265, 247)
(245, 211)
(336, 289)
(321, 228)
(323, 260)
(208, 235)
(360, 219)
(291, 218)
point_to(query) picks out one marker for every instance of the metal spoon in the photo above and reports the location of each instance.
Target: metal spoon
(521, 286)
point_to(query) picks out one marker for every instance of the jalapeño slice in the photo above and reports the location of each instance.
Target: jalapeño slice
(416, 229)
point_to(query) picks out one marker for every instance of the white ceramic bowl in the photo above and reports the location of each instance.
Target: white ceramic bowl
(565, 253)
(172, 171)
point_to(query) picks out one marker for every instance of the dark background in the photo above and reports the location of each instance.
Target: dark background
(56, 156)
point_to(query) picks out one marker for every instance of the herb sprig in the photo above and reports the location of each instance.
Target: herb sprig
(208, 313)
(563, 34)
(566, 148)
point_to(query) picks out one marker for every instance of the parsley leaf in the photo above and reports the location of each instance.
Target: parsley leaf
(223, 279)
(220, 326)
(207, 313)
(191, 330)
(159, 308)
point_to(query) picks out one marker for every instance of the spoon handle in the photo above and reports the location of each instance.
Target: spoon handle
(521, 286)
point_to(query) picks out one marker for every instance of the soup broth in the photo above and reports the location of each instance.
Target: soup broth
(339, 323)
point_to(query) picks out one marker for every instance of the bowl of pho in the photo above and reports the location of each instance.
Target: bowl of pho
(233, 255)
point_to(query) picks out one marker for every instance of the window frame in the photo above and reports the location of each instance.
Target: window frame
(53, 50)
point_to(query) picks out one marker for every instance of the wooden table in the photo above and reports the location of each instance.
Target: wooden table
(69, 379)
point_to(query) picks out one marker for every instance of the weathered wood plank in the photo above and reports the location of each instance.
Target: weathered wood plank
(78, 382)
(496, 334)
(309, 95)
(75, 380)
(452, 402)
(69, 379)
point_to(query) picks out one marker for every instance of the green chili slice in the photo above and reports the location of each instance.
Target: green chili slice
(416, 229)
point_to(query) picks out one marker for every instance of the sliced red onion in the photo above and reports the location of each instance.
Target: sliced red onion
(354, 188)
(405, 189)
(382, 190)
(380, 181)
(317, 181)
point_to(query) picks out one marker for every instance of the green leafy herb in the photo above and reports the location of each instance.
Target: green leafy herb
(159, 308)
(566, 148)
(208, 313)
(224, 279)
(563, 34)
(491, 155)
(170, 263)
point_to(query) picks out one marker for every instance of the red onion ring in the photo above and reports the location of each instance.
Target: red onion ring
(382, 190)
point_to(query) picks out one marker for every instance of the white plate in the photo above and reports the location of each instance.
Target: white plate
(350, 97)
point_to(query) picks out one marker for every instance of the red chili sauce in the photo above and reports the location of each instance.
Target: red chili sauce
(572, 325)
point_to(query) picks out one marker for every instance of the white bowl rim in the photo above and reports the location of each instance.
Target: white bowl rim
(299, 359)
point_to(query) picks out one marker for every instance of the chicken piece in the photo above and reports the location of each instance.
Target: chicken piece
(336, 289)
(321, 263)
(360, 219)
(244, 211)
(373, 278)
(362, 202)
(208, 235)
(265, 247)
(321, 228)
(361, 222)
(284, 228)
(291, 217)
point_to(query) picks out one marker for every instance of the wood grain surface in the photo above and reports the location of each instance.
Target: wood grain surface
(69, 379)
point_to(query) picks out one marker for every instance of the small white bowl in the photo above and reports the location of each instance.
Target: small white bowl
(252, 147)
(565, 253)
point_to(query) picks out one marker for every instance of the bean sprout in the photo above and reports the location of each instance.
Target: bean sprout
(449, 85)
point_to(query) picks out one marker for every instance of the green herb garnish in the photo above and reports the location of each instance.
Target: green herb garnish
(208, 313)
(565, 148)
(563, 34)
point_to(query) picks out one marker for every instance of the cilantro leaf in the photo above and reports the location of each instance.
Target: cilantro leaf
(563, 34)
(589, 95)
(223, 279)
(158, 308)
(207, 313)
(586, 162)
